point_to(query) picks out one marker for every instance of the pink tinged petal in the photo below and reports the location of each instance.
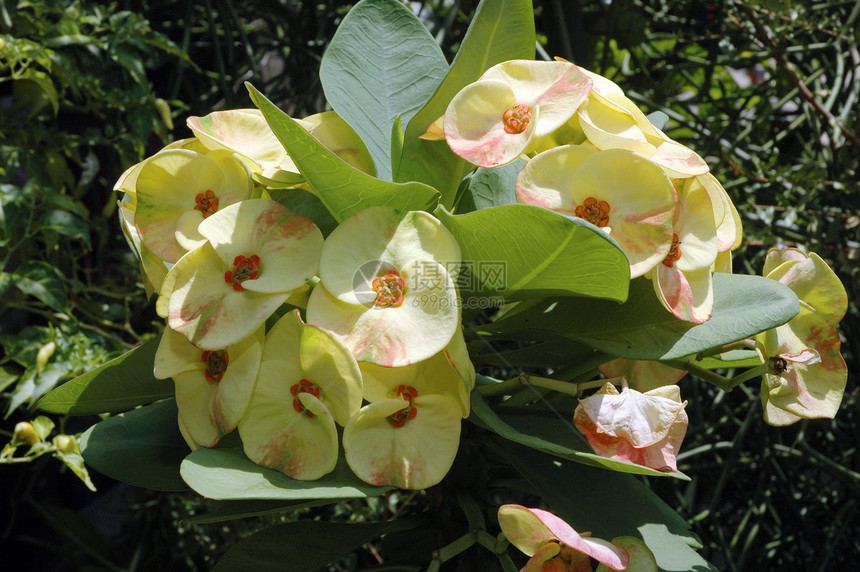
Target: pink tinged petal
(643, 375)
(545, 179)
(723, 263)
(288, 245)
(815, 284)
(474, 128)
(436, 130)
(609, 127)
(176, 355)
(435, 375)
(331, 366)
(641, 557)
(726, 216)
(694, 225)
(541, 560)
(422, 325)
(152, 268)
(183, 430)
(168, 186)
(798, 383)
(529, 529)
(381, 235)
(557, 88)
(646, 429)
(416, 455)
(301, 446)
(235, 388)
(206, 309)
(641, 199)
(778, 256)
(194, 398)
(243, 131)
(688, 295)
(331, 130)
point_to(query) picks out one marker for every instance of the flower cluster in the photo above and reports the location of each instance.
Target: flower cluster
(380, 351)
(594, 155)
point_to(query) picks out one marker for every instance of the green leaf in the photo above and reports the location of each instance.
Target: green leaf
(543, 349)
(491, 187)
(304, 546)
(549, 428)
(226, 473)
(343, 189)
(43, 281)
(501, 30)
(75, 463)
(382, 62)
(610, 504)
(122, 383)
(142, 447)
(522, 251)
(642, 329)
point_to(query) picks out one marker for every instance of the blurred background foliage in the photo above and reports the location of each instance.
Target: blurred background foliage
(766, 91)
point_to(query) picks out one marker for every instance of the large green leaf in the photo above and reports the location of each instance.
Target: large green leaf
(142, 447)
(549, 428)
(220, 511)
(122, 383)
(227, 473)
(642, 329)
(382, 62)
(501, 30)
(522, 251)
(342, 188)
(610, 504)
(305, 546)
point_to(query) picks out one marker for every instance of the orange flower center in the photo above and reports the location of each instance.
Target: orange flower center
(517, 119)
(304, 386)
(207, 203)
(399, 418)
(216, 364)
(389, 288)
(594, 211)
(674, 252)
(244, 268)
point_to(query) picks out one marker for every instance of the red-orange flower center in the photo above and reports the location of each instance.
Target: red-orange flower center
(594, 211)
(244, 268)
(674, 252)
(517, 119)
(207, 203)
(389, 288)
(399, 418)
(304, 386)
(216, 364)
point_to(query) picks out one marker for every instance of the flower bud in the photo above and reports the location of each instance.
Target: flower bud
(45, 353)
(66, 443)
(25, 431)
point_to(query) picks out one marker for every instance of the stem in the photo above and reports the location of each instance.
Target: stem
(715, 379)
(511, 385)
(749, 374)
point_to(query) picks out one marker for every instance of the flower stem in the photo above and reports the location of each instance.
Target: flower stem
(511, 385)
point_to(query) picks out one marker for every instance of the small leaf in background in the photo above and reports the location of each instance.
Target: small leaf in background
(342, 188)
(381, 63)
(75, 462)
(304, 546)
(142, 447)
(43, 281)
(521, 251)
